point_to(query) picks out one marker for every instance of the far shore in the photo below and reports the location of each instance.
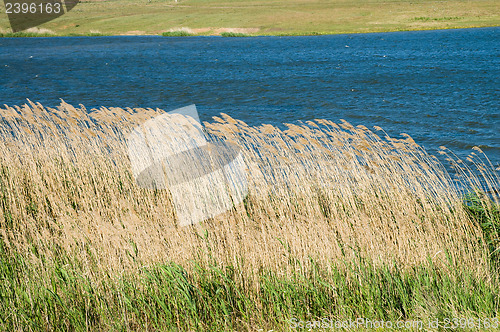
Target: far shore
(261, 17)
(174, 33)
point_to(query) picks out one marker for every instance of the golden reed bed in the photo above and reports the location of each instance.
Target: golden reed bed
(322, 190)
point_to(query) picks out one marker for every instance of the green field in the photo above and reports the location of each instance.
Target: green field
(267, 17)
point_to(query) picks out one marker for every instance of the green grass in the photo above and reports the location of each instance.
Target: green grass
(271, 17)
(426, 18)
(20, 34)
(176, 34)
(210, 297)
(487, 215)
(234, 34)
(90, 34)
(25, 34)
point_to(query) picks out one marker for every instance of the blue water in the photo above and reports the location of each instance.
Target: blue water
(441, 87)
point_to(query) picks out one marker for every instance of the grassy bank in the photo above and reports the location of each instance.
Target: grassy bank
(167, 297)
(269, 17)
(339, 223)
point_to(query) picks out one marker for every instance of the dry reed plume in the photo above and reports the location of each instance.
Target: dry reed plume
(318, 190)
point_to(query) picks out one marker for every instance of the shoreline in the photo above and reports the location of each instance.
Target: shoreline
(262, 17)
(22, 34)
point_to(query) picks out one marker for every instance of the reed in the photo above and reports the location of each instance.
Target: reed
(24, 34)
(234, 34)
(178, 33)
(338, 222)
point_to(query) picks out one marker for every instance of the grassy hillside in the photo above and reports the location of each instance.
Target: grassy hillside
(268, 17)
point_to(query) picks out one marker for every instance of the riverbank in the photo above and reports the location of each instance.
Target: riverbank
(271, 17)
